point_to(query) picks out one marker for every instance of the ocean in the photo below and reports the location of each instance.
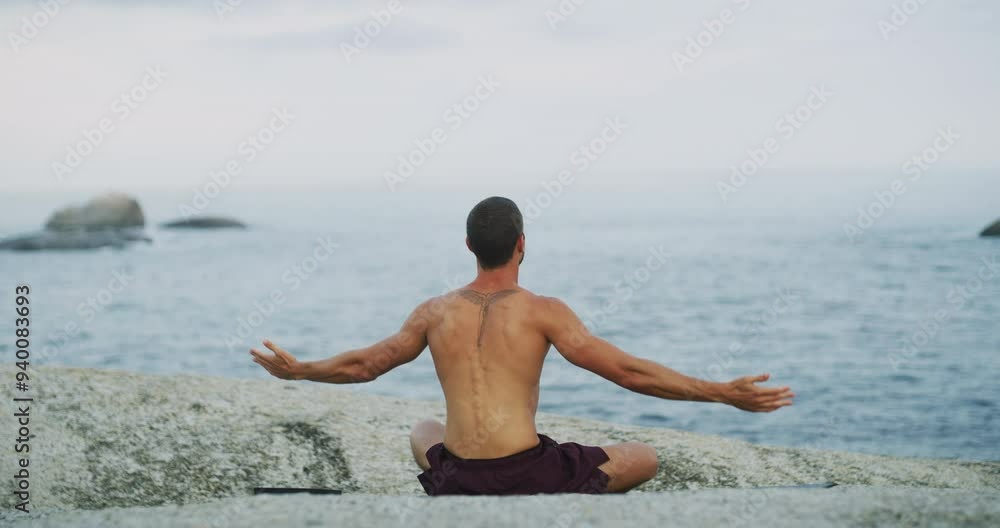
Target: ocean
(889, 340)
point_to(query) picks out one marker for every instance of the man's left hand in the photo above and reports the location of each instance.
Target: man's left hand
(280, 365)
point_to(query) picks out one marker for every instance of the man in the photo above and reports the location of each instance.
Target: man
(488, 342)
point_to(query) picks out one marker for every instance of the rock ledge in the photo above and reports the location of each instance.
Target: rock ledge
(108, 439)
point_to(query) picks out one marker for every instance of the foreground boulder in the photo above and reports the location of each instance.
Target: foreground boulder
(992, 231)
(840, 507)
(204, 222)
(109, 439)
(72, 240)
(109, 211)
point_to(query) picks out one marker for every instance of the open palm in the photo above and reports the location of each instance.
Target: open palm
(281, 364)
(744, 393)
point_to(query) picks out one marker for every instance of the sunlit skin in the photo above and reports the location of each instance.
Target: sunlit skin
(488, 342)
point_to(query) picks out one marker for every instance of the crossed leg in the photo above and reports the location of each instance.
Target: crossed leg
(630, 464)
(424, 435)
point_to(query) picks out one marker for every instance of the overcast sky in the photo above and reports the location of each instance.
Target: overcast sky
(559, 80)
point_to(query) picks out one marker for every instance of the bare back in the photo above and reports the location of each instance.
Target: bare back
(488, 342)
(488, 351)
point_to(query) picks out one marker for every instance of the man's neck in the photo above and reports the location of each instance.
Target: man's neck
(497, 279)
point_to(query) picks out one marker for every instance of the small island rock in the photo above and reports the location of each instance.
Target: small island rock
(108, 211)
(204, 222)
(991, 231)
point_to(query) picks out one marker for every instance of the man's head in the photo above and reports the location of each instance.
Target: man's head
(495, 232)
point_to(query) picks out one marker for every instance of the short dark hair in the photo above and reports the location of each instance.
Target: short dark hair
(494, 227)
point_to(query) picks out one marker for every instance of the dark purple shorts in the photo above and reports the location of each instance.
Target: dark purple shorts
(549, 467)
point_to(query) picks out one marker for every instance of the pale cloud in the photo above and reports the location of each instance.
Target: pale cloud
(608, 58)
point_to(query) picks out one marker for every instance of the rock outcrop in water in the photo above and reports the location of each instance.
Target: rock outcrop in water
(108, 211)
(70, 240)
(111, 220)
(204, 222)
(991, 231)
(114, 439)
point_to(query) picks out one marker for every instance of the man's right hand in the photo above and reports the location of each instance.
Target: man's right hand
(744, 393)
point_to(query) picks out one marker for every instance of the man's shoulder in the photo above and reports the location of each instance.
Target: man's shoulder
(551, 303)
(544, 307)
(435, 304)
(533, 300)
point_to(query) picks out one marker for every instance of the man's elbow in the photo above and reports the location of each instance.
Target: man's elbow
(363, 373)
(358, 370)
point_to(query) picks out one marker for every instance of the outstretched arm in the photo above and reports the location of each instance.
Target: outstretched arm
(572, 339)
(354, 366)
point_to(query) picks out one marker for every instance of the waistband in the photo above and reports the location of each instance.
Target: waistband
(527, 454)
